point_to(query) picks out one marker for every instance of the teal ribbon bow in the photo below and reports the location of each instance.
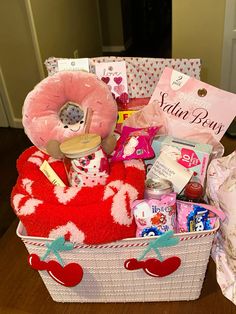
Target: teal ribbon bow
(58, 244)
(165, 240)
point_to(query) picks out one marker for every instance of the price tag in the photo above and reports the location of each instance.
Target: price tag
(81, 64)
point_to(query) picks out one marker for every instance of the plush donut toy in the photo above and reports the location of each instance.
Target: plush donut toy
(67, 104)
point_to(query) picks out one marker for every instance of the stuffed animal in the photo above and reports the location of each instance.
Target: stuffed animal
(67, 104)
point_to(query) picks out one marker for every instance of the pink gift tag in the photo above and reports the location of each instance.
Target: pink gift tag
(114, 75)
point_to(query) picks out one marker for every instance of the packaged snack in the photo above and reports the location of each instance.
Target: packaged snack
(196, 217)
(193, 156)
(154, 217)
(191, 106)
(135, 143)
(167, 168)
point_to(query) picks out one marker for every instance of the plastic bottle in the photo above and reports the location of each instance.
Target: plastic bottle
(193, 192)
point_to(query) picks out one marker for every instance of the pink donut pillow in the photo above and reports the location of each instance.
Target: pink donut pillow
(57, 108)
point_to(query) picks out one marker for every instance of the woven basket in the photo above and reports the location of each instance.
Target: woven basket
(105, 278)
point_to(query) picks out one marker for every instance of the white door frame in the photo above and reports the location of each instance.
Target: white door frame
(229, 35)
(3, 117)
(7, 105)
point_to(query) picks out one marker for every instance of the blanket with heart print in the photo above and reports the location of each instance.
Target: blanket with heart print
(90, 215)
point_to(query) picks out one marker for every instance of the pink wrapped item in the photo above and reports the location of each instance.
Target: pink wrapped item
(135, 143)
(57, 108)
(196, 217)
(154, 217)
(221, 190)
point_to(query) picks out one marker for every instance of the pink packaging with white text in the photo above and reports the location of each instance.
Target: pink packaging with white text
(191, 106)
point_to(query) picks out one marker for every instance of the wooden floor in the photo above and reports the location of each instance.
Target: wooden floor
(22, 290)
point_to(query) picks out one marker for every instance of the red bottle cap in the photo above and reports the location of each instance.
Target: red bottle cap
(193, 190)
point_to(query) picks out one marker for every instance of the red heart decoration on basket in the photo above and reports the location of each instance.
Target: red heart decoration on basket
(155, 268)
(133, 264)
(36, 263)
(69, 275)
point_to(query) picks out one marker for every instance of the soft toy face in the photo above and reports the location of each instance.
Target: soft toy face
(63, 105)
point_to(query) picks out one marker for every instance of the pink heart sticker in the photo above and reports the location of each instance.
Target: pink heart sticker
(118, 80)
(119, 89)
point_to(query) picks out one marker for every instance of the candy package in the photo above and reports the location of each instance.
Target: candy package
(135, 143)
(196, 217)
(154, 217)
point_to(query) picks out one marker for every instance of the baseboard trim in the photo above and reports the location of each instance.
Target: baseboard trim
(113, 48)
(17, 123)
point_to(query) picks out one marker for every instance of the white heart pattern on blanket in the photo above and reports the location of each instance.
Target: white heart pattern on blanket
(75, 235)
(134, 163)
(65, 194)
(28, 207)
(112, 188)
(27, 184)
(119, 204)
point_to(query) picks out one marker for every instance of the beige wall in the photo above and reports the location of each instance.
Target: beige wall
(66, 25)
(17, 58)
(111, 23)
(62, 26)
(198, 27)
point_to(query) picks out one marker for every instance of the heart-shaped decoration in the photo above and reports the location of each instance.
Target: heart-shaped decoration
(69, 275)
(133, 264)
(36, 263)
(105, 79)
(123, 98)
(70, 231)
(118, 80)
(119, 89)
(155, 268)
(66, 194)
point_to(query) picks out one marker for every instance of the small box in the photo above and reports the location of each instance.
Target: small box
(193, 156)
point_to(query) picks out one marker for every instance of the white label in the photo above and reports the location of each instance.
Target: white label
(178, 80)
(81, 64)
(167, 168)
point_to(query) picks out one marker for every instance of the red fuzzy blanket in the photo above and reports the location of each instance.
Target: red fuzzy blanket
(88, 215)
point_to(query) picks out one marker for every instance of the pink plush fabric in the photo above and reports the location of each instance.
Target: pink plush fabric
(41, 110)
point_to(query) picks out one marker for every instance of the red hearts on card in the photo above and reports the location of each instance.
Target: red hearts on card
(118, 80)
(155, 268)
(35, 262)
(119, 89)
(105, 79)
(69, 275)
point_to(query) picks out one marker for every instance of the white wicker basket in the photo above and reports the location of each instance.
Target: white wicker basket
(105, 278)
